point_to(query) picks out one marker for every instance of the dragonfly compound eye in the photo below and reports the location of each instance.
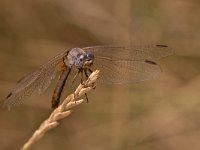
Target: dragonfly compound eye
(89, 56)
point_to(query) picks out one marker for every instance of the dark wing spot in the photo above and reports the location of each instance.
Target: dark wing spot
(150, 62)
(161, 45)
(8, 95)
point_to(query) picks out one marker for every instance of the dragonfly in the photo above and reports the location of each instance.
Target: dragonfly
(118, 65)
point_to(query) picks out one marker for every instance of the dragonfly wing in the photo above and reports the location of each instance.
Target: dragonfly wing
(119, 64)
(118, 72)
(46, 76)
(134, 53)
(39, 79)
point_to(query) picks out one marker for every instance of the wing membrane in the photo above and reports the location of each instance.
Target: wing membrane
(119, 64)
(133, 53)
(39, 79)
(119, 72)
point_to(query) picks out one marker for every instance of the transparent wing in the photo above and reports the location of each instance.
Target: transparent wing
(119, 72)
(39, 80)
(120, 64)
(134, 53)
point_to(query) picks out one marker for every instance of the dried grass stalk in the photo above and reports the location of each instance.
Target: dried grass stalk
(63, 110)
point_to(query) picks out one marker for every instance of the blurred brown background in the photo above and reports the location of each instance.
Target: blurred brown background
(161, 114)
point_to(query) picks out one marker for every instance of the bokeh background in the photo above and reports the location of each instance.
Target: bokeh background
(160, 114)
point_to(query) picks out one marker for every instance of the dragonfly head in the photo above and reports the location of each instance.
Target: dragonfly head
(85, 60)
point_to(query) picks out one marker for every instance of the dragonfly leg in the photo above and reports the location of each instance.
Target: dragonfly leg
(86, 75)
(73, 80)
(87, 100)
(90, 70)
(82, 77)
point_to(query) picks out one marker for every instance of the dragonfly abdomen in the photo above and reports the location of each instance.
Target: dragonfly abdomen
(59, 87)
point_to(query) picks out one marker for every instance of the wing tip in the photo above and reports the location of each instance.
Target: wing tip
(150, 62)
(168, 50)
(9, 95)
(160, 45)
(7, 102)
